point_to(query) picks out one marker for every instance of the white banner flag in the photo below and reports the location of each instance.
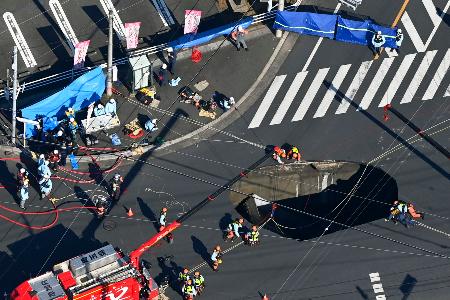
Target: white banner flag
(80, 54)
(132, 34)
(191, 21)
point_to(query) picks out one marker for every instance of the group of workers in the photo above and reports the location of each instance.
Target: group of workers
(404, 212)
(286, 152)
(378, 41)
(109, 109)
(234, 230)
(46, 164)
(191, 286)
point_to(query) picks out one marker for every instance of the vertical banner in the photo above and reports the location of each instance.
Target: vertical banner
(191, 21)
(132, 34)
(80, 54)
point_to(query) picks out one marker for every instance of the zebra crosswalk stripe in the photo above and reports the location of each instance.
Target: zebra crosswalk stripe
(397, 80)
(265, 104)
(418, 77)
(354, 86)
(447, 91)
(290, 95)
(376, 82)
(310, 94)
(438, 77)
(331, 92)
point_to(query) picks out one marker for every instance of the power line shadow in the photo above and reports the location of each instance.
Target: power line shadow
(340, 96)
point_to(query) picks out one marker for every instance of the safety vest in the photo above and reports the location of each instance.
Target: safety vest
(183, 277)
(199, 280)
(254, 236)
(278, 150)
(189, 289)
(294, 150)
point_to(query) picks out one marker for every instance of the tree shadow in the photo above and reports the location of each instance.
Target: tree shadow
(200, 248)
(340, 96)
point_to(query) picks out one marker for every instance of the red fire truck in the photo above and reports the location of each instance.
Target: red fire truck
(108, 273)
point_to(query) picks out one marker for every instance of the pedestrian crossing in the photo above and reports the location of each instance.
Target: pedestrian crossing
(393, 79)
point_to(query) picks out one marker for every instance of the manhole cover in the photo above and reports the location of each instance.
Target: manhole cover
(109, 225)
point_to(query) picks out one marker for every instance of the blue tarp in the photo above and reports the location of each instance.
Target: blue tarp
(191, 40)
(306, 23)
(83, 91)
(361, 32)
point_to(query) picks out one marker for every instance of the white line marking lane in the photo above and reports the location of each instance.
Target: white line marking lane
(290, 95)
(331, 92)
(310, 94)
(265, 104)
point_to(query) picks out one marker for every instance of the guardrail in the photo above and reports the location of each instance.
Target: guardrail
(42, 82)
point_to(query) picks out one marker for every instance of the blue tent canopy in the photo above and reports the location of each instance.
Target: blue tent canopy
(83, 91)
(306, 23)
(361, 32)
(191, 40)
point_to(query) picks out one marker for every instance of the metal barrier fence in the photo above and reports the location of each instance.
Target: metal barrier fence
(66, 75)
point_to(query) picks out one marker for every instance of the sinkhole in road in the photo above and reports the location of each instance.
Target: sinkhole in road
(346, 192)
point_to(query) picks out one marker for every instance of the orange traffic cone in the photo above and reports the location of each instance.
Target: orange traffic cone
(130, 212)
(265, 297)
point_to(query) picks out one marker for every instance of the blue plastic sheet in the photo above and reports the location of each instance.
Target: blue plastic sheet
(306, 23)
(83, 91)
(361, 32)
(191, 40)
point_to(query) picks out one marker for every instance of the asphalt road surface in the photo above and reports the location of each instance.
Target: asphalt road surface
(333, 266)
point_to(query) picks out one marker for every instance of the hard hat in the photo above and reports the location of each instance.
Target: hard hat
(112, 100)
(217, 248)
(379, 32)
(55, 151)
(396, 202)
(100, 105)
(117, 175)
(164, 209)
(164, 66)
(72, 119)
(70, 110)
(60, 133)
(399, 30)
(232, 99)
(22, 170)
(240, 28)
(41, 156)
(170, 49)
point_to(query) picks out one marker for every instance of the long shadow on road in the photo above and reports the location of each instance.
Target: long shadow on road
(341, 96)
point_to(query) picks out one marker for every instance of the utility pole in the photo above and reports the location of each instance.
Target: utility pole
(14, 106)
(278, 33)
(110, 55)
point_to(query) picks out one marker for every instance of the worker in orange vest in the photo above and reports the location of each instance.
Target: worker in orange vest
(412, 211)
(279, 153)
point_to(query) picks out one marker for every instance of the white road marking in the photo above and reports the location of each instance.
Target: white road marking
(290, 95)
(432, 12)
(310, 94)
(374, 277)
(438, 77)
(447, 92)
(418, 77)
(397, 80)
(267, 101)
(311, 56)
(375, 84)
(390, 53)
(412, 32)
(331, 92)
(354, 86)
